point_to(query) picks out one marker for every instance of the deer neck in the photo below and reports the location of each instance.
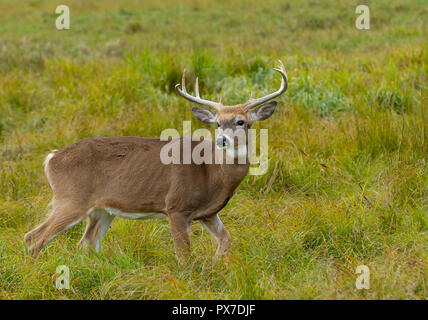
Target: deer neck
(233, 174)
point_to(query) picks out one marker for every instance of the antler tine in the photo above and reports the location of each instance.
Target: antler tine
(252, 103)
(182, 92)
(183, 81)
(281, 65)
(197, 88)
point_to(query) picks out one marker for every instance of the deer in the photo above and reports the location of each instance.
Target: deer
(100, 178)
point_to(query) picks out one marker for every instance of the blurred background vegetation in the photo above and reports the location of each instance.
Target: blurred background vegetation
(347, 179)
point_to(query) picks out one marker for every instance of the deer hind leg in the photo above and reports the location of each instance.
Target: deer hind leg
(62, 218)
(99, 222)
(216, 228)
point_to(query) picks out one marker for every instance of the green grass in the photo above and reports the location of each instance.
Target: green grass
(356, 107)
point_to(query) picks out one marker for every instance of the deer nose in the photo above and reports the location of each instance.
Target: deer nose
(222, 142)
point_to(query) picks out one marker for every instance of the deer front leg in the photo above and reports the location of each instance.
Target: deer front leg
(216, 228)
(179, 229)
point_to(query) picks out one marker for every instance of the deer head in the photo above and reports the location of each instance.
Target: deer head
(233, 121)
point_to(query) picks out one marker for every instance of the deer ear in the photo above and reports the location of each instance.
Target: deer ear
(204, 115)
(263, 112)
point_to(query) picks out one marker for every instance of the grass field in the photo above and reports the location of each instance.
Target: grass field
(357, 194)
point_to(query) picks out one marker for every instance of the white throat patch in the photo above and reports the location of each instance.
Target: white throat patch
(237, 153)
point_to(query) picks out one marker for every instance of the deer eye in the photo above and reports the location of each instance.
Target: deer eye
(240, 122)
(218, 124)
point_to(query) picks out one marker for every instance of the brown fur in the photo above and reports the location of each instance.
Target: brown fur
(227, 113)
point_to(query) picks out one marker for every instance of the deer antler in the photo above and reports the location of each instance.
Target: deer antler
(252, 103)
(196, 99)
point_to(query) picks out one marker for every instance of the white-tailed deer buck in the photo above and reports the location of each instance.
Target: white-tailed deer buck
(106, 177)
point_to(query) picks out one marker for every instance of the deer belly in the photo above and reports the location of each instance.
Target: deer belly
(134, 216)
